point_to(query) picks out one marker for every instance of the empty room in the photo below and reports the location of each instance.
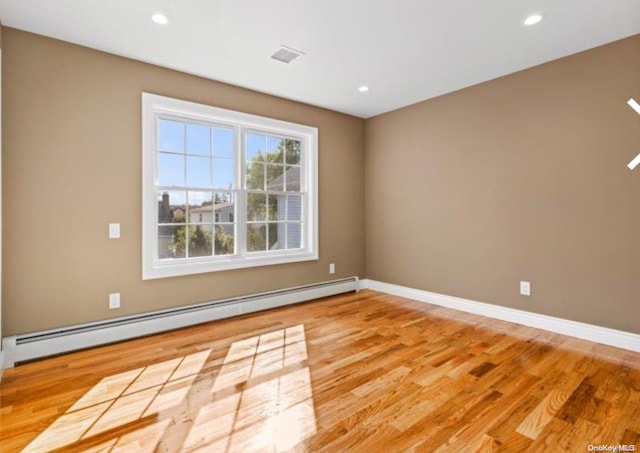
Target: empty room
(368, 226)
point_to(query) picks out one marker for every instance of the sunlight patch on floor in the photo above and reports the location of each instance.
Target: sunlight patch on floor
(268, 415)
(261, 399)
(261, 355)
(121, 399)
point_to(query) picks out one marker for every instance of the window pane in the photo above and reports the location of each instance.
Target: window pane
(171, 242)
(276, 236)
(198, 138)
(256, 207)
(170, 136)
(170, 170)
(224, 212)
(255, 177)
(256, 237)
(200, 240)
(292, 177)
(292, 151)
(222, 142)
(275, 210)
(223, 173)
(200, 207)
(294, 236)
(275, 178)
(172, 206)
(222, 197)
(294, 207)
(224, 239)
(274, 150)
(198, 171)
(256, 146)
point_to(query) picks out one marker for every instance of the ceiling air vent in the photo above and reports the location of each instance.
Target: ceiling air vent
(286, 54)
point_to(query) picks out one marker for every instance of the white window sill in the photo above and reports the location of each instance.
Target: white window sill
(174, 268)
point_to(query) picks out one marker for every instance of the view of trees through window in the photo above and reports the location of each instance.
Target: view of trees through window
(197, 193)
(272, 181)
(188, 229)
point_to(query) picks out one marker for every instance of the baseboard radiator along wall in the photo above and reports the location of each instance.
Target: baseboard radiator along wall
(20, 348)
(590, 332)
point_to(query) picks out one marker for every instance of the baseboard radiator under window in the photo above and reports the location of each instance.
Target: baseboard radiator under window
(20, 348)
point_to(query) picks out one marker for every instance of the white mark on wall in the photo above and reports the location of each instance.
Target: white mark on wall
(636, 160)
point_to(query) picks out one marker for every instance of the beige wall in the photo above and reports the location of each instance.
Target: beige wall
(519, 178)
(523, 177)
(72, 164)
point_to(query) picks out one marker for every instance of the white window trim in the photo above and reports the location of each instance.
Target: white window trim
(153, 106)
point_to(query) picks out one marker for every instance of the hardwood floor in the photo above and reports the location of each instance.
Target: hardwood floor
(359, 372)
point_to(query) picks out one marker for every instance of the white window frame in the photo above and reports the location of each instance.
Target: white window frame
(153, 107)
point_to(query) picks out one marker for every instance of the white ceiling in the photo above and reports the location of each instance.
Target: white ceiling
(404, 50)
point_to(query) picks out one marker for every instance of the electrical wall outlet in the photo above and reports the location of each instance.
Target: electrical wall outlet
(525, 288)
(114, 231)
(114, 300)
(332, 268)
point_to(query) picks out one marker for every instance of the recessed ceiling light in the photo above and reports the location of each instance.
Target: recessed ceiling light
(363, 89)
(160, 19)
(533, 19)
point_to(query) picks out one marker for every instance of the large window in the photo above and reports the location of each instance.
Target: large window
(224, 190)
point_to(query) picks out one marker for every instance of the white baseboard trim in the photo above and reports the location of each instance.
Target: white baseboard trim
(597, 334)
(46, 343)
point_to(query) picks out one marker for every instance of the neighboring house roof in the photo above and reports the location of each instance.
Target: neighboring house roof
(208, 208)
(292, 176)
